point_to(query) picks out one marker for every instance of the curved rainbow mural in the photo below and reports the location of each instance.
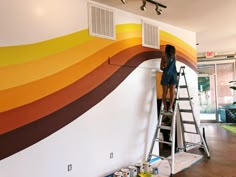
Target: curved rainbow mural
(47, 85)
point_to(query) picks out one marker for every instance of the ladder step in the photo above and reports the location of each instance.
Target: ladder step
(183, 86)
(190, 143)
(181, 74)
(184, 99)
(188, 122)
(167, 113)
(190, 132)
(185, 110)
(164, 142)
(165, 127)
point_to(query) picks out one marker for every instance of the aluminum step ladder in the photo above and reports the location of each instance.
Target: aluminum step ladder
(172, 128)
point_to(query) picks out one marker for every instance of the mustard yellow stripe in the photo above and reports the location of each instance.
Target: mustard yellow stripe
(18, 96)
(12, 55)
(128, 28)
(25, 53)
(16, 75)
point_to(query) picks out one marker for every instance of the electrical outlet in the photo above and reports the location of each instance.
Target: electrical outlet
(111, 155)
(69, 167)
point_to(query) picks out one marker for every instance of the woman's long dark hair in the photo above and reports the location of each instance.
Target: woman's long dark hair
(170, 50)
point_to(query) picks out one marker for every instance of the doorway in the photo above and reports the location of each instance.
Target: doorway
(215, 94)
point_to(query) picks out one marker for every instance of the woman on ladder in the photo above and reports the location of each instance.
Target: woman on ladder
(169, 77)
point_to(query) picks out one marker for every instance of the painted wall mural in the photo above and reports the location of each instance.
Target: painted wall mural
(45, 86)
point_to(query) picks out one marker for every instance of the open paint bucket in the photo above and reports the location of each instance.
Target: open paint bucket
(133, 171)
(140, 167)
(146, 166)
(118, 174)
(126, 172)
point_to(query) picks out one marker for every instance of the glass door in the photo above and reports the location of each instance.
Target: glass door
(207, 93)
(226, 95)
(216, 96)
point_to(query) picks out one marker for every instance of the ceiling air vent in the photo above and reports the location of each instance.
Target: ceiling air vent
(101, 22)
(150, 35)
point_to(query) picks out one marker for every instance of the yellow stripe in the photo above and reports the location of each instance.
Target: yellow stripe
(25, 53)
(16, 75)
(12, 55)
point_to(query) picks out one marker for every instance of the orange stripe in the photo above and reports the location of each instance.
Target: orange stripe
(18, 96)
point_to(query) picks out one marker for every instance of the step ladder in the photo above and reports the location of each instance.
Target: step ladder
(172, 128)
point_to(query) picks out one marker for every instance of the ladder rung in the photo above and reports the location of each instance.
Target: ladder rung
(183, 86)
(164, 142)
(181, 73)
(190, 132)
(184, 99)
(188, 122)
(165, 127)
(190, 143)
(185, 110)
(167, 114)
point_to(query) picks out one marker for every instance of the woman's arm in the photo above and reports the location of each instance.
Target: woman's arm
(163, 63)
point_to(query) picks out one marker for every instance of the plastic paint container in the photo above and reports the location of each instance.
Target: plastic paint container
(140, 167)
(126, 172)
(133, 171)
(118, 174)
(146, 166)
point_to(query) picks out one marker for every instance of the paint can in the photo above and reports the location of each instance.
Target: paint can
(133, 171)
(118, 174)
(139, 167)
(126, 172)
(146, 167)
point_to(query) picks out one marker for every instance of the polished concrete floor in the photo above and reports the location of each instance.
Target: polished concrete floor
(222, 163)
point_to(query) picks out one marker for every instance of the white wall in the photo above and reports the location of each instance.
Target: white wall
(31, 21)
(118, 125)
(122, 123)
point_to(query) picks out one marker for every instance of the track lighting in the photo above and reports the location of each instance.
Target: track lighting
(158, 10)
(123, 1)
(143, 7)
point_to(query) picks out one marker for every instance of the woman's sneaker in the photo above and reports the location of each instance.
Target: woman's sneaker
(171, 110)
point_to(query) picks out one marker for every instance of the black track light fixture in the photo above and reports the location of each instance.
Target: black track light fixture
(143, 7)
(158, 10)
(123, 1)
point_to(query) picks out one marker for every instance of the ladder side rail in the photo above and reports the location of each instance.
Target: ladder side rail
(183, 130)
(191, 105)
(173, 133)
(156, 134)
(173, 129)
(195, 122)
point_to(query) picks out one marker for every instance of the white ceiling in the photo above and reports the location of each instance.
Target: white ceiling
(214, 21)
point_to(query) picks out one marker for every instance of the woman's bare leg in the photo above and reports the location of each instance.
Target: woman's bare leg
(172, 95)
(164, 94)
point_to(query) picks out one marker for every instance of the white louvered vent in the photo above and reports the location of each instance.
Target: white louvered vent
(150, 35)
(101, 22)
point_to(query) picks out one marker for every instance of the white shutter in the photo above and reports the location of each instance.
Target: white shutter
(101, 22)
(150, 35)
